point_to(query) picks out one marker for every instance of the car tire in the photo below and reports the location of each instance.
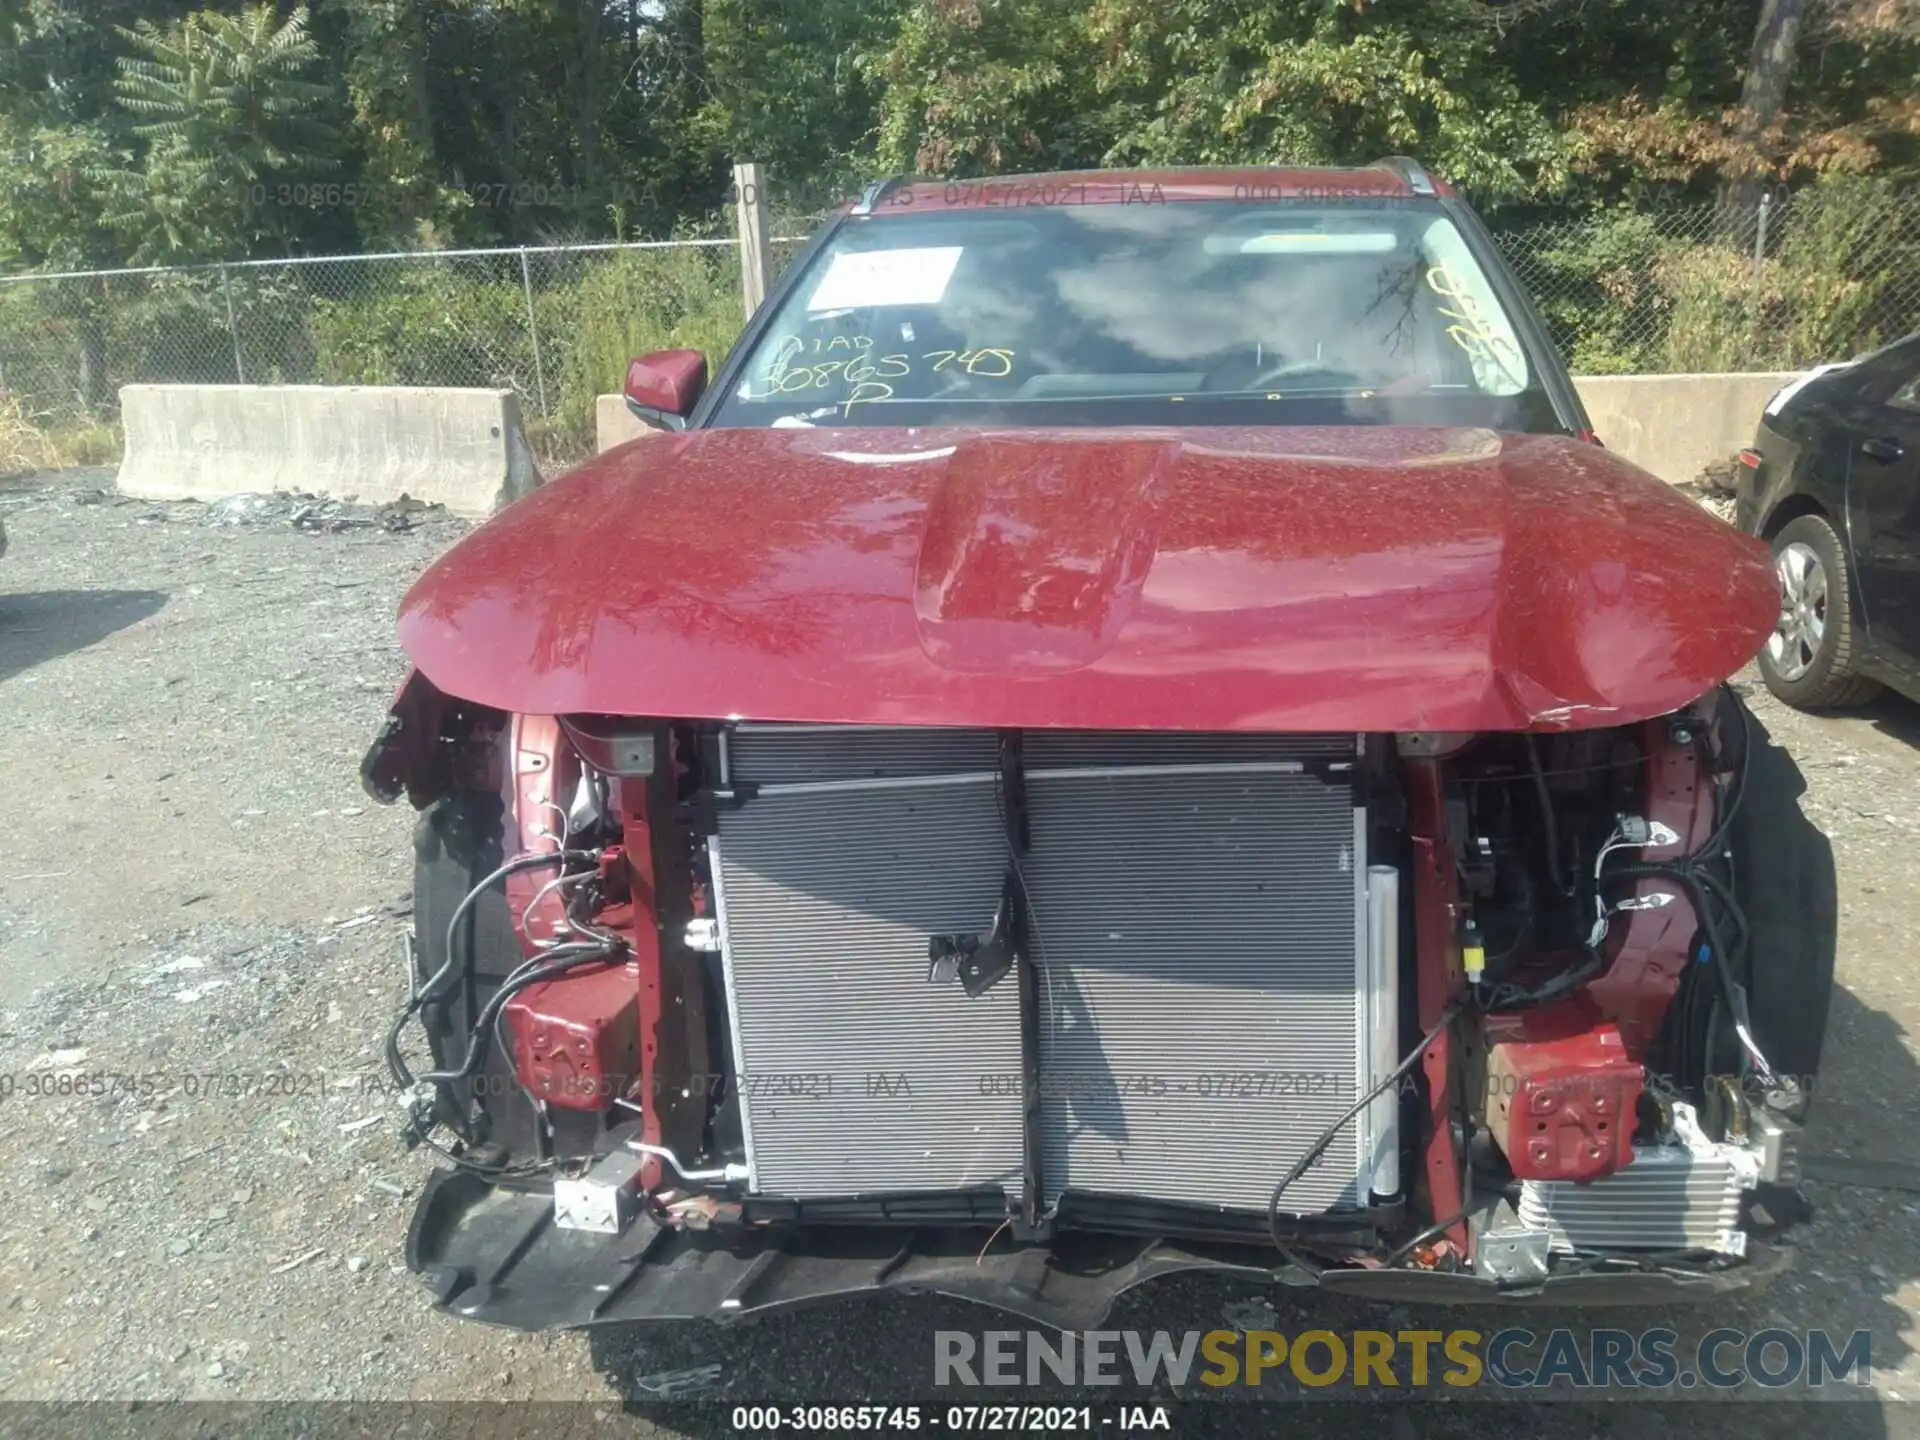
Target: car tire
(1809, 659)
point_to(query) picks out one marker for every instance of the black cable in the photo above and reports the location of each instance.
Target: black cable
(1719, 889)
(421, 993)
(1319, 1147)
(526, 1169)
(1724, 824)
(1716, 945)
(1554, 873)
(548, 964)
(1496, 776)
(512, 867)
(1506, 998)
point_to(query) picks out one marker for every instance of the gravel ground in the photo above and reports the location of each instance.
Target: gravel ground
(193, 885)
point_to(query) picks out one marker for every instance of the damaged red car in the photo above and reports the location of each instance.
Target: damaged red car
(1132, 728)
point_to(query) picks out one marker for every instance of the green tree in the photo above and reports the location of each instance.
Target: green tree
(50, 219)
(1325, 82)
(787, 86)
(224, 105)
(972, 86)
(385, 67)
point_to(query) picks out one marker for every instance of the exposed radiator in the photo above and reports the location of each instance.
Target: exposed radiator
(857, 1075)
(1199, 935)
(1197, 938)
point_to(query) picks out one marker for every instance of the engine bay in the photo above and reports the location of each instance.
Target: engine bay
(1460, 1003)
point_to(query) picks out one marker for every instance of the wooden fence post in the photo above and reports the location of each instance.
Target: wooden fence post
(750, 220)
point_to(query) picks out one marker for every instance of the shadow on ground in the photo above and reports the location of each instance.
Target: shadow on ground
(1895, 715)
(43, 625)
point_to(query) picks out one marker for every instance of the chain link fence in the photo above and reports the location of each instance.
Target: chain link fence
(1787, 282)
(555, 324)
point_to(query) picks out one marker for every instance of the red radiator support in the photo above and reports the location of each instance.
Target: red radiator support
(1560, 1092)
(1437, 977)
(1648, 950)
(576, 1038)
(632, 1031)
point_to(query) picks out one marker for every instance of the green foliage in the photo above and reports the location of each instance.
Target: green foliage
(84, 440)
(788, 88)
(223, 105)
(425, 325)
(1315, 84)
(974, 87)
(1831, 290)
(1593, 285)
(628, 304)
(1621, 294)
(51, 201)
(460, 325)
(171, 325)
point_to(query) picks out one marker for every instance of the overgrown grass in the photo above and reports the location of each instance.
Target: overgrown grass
(23, 443)
(37, 441)
(626, 305)
(86, 441)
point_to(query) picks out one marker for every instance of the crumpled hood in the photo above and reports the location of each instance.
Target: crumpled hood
(1364, 578)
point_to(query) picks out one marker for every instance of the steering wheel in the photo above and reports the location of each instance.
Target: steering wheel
(1222, 376)
(1294, 369)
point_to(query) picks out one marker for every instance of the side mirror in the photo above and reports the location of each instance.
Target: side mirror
(663, 387)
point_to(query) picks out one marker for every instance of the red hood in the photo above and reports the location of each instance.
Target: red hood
(1274, 579)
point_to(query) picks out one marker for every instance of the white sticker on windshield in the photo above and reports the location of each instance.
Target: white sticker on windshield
(885, 277)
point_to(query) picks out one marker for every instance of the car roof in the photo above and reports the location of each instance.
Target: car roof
(1385, 179)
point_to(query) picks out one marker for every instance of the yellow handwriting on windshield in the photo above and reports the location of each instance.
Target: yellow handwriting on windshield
(991, 364)
(1471, 330)
(861, 368)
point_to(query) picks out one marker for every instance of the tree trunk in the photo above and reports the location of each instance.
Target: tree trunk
(586, 99)
(1776, 43)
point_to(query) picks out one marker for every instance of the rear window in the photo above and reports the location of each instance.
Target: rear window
(1184, 313)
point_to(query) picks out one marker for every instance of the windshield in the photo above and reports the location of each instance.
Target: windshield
(1190, 313)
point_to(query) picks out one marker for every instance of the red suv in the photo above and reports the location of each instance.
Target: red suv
(1130, 729)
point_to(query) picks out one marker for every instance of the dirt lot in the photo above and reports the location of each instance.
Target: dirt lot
(192, 884)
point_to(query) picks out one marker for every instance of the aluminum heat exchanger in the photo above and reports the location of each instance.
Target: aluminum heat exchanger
(1204, 996)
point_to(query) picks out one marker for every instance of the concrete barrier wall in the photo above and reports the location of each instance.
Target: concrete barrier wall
(614, 424)
(464, 449)
(1674, 425)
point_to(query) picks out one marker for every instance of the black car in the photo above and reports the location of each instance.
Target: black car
(1833, 484)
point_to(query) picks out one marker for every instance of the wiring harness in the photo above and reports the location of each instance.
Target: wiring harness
(420, 1093)
(1699, 877)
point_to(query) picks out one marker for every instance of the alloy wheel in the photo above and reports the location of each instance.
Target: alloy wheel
(1802, 626)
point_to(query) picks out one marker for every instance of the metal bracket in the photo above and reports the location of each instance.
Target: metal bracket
(604, 1200)
(979, 962)
(700, 813)
(1513, 1257)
